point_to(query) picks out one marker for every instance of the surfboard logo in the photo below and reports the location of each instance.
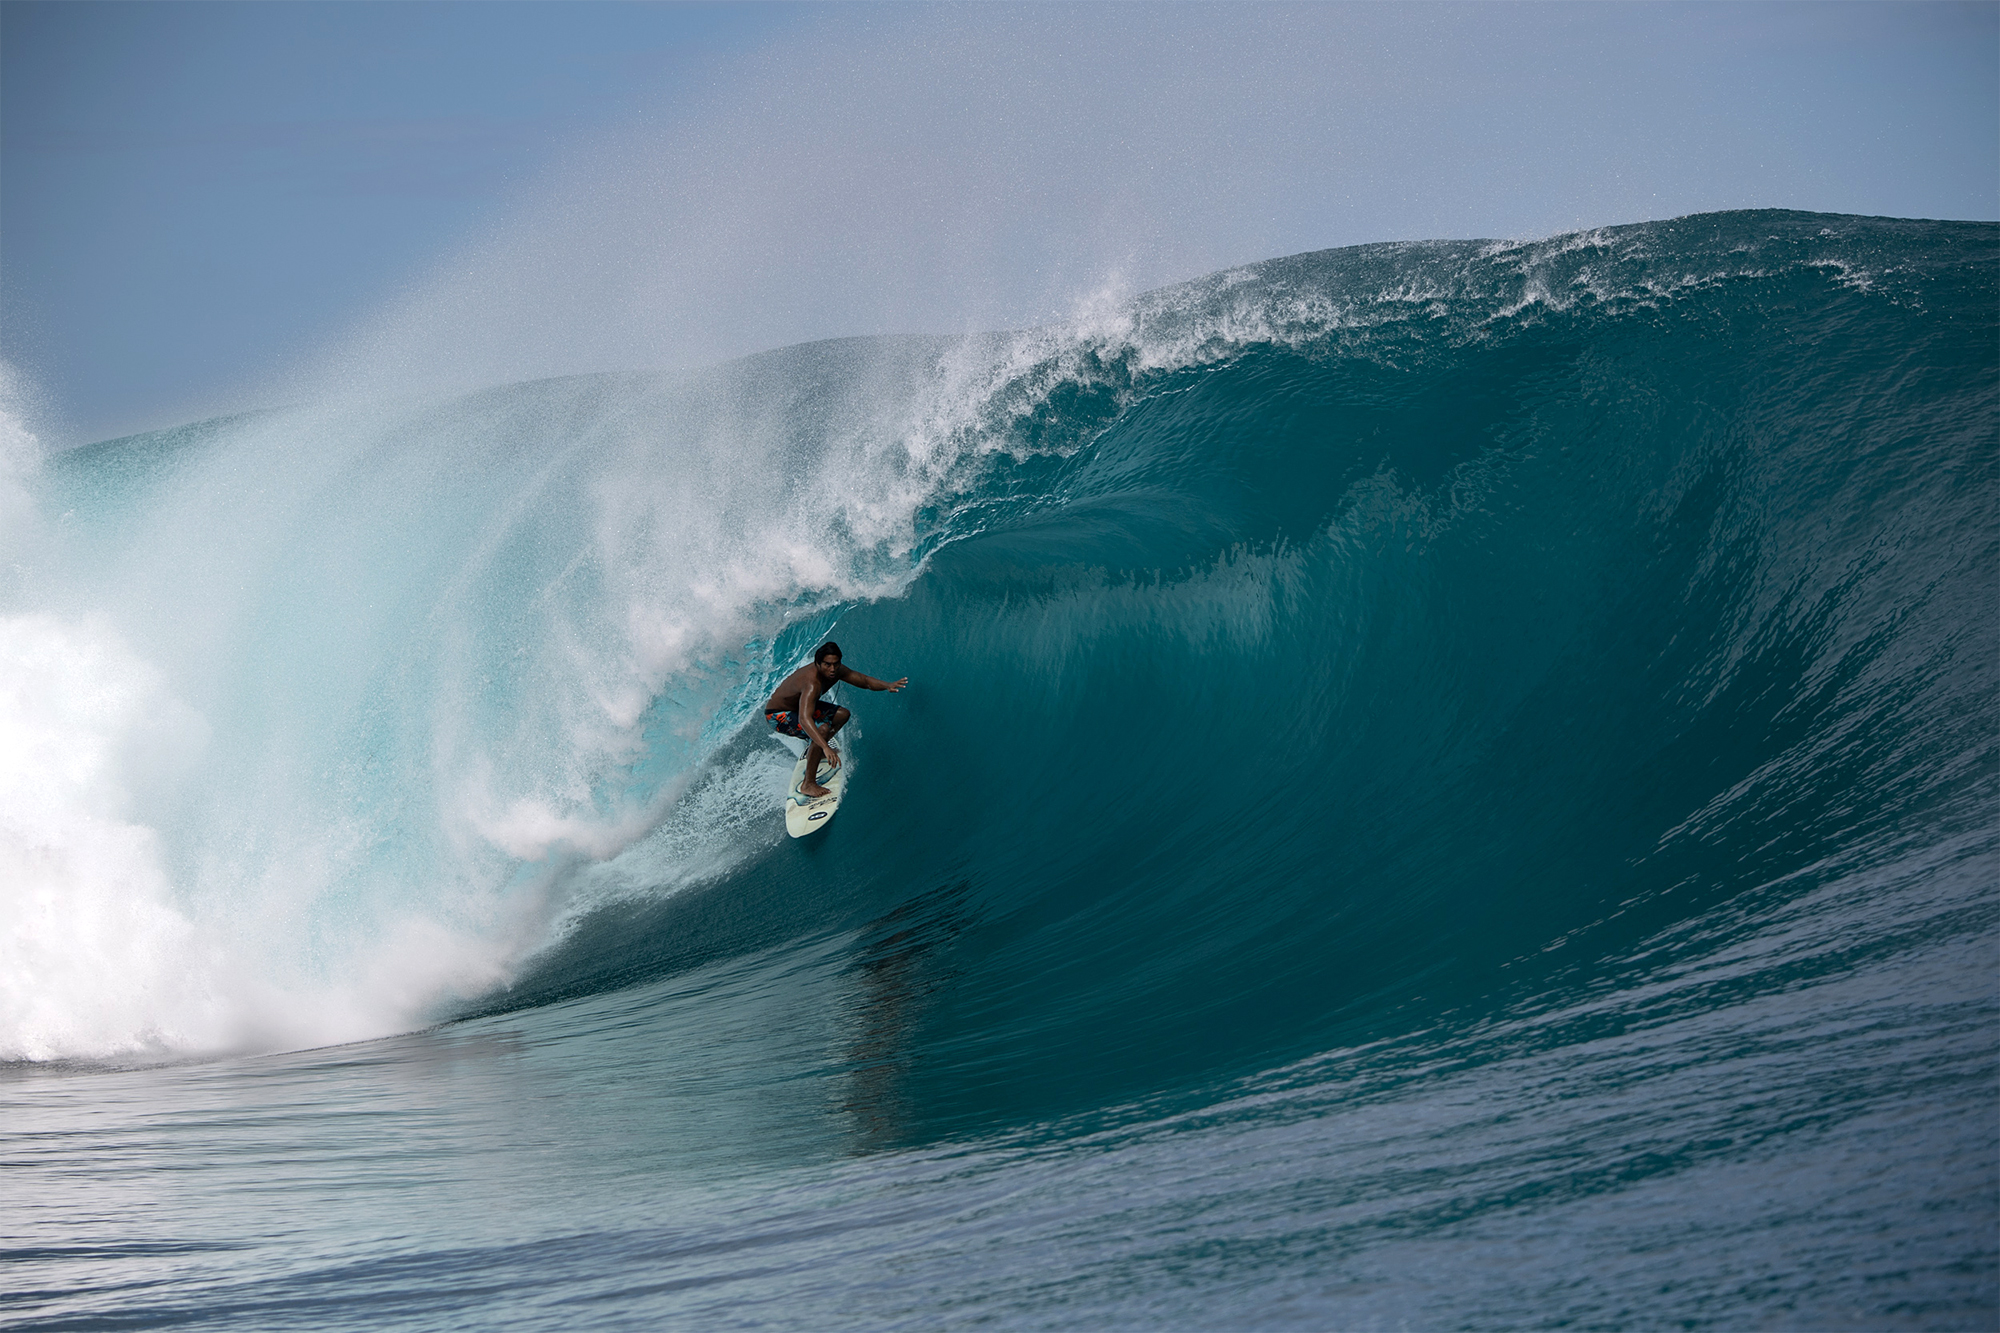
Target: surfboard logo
(817, 814)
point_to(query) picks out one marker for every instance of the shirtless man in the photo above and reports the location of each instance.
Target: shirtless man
(796, 709)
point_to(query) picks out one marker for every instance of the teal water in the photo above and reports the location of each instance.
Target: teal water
(1444, 785)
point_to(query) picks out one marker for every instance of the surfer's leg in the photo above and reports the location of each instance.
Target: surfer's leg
(829, 723)
(787, 724)
(810, 783)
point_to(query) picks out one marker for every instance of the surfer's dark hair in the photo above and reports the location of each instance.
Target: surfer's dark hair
(819, 655)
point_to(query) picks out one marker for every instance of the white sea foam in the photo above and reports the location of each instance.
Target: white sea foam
(90, 939)
(96, 958)
(125, 931)
(115, 939)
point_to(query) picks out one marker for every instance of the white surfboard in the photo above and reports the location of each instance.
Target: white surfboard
(805, 814)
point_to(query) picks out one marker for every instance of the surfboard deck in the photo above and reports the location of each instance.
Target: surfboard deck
(804, 816)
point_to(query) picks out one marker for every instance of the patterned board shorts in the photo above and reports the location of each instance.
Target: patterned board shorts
(786, 721)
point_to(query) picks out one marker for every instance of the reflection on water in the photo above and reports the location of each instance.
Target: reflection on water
(902, 959)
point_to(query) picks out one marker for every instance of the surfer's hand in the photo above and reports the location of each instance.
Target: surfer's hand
(896, 685)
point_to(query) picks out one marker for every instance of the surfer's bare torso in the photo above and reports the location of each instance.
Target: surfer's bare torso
(799, 691)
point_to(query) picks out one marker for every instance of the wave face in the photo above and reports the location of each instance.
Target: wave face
(1492, 682)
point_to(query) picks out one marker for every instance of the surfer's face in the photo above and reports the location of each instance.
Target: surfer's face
(829, 667)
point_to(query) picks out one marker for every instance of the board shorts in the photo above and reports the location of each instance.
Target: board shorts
(786, 720)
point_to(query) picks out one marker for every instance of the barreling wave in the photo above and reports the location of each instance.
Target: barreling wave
(1296, 654)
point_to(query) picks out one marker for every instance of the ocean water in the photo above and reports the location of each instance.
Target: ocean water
(1443, 785)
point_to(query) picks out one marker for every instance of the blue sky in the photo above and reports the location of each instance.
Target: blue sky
(205, 207)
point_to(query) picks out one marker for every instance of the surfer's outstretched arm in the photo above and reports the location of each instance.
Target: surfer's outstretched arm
(853, 677)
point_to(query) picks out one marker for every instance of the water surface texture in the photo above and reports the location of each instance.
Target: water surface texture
(1444, 785)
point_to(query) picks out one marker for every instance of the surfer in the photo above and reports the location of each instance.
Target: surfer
(795, 708)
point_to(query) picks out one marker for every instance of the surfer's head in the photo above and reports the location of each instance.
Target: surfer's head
(827, 659)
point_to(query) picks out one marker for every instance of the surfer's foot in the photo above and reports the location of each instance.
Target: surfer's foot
(812, 790)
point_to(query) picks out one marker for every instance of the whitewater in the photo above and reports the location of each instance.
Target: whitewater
(1485, 767)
